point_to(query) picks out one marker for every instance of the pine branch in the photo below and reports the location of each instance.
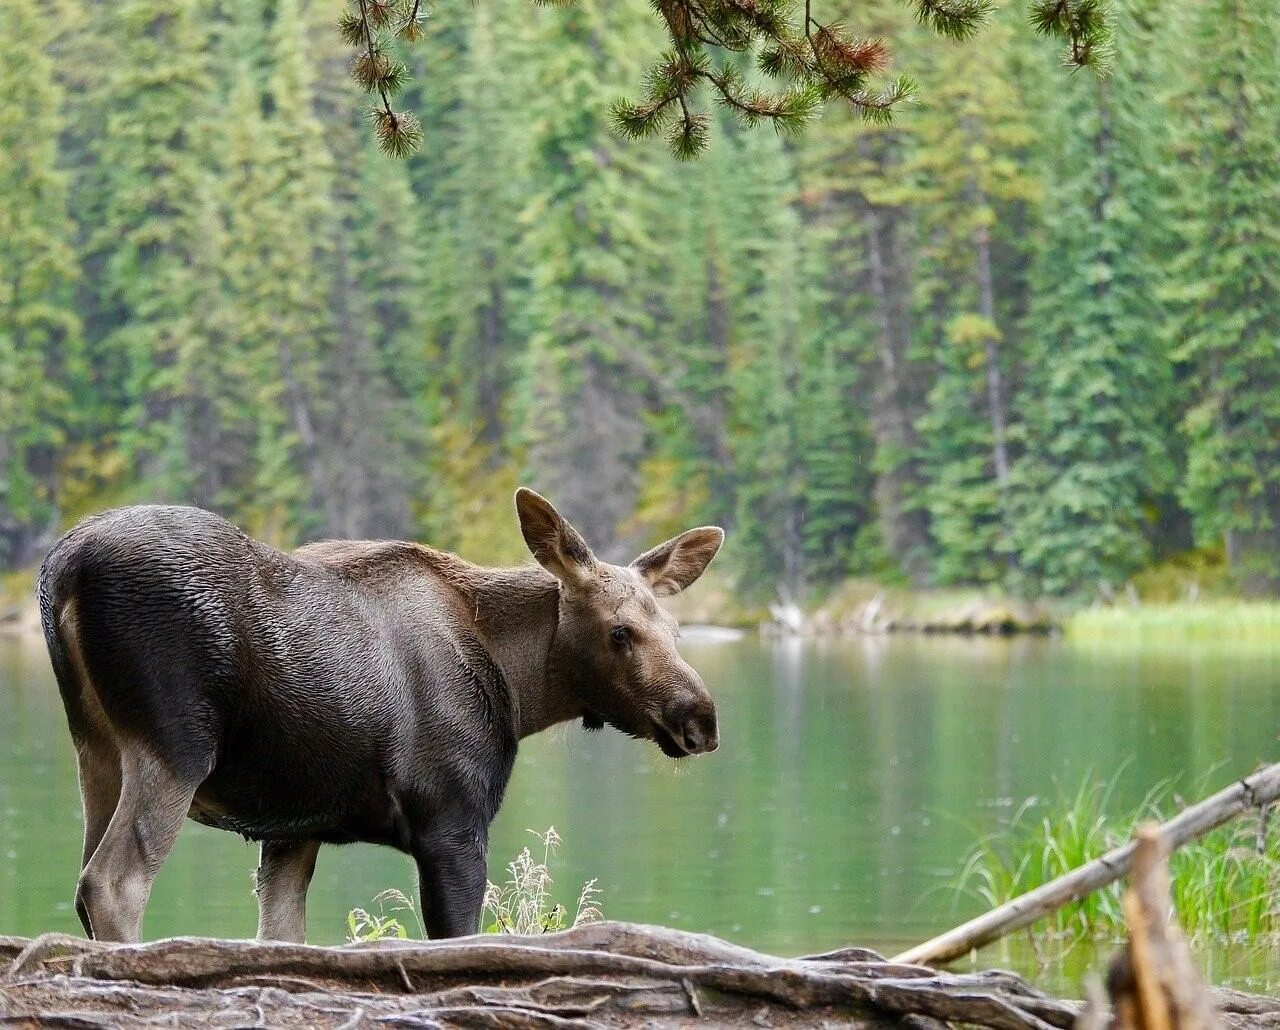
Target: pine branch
(809, 61)
(1084, 24)
(399, 133)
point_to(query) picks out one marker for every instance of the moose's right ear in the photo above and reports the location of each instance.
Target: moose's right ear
(557, 546)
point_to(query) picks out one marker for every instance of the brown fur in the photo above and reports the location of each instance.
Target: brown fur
(351, 691)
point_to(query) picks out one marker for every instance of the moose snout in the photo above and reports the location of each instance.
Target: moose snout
(693, 725)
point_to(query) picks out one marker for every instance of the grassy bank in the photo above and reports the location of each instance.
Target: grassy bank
(866, 606)
(1225, 886)
(1218, 620)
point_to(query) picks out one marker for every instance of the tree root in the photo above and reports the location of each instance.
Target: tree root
(606, 974)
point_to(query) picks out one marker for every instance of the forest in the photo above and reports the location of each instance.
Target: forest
(1025, 335)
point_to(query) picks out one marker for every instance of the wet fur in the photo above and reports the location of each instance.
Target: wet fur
(348, 691)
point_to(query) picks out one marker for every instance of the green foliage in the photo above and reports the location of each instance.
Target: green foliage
(995, 343)
(1225, 621)
(364, 926)
(1224, 884)
(41, 363)
(1227, 286)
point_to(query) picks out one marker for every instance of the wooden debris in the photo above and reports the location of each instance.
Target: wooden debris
(606, 974)
(1153, 983)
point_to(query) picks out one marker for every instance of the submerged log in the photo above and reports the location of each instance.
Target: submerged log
(1253, 792)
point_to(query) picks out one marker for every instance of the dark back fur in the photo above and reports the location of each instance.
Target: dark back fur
(342, 692)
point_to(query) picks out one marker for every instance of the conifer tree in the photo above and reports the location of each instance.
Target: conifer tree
(39, 332)
(1098, 379)
(688, 475)
(474, 229)
(152, 158)
(971, 153)
(373, 369)
(1227, 283)
(765, 368)
(287, 226)
(592, 254)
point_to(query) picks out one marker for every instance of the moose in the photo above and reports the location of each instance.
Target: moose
(370, 691)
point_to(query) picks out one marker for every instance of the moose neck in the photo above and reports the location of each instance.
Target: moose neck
(517, 611)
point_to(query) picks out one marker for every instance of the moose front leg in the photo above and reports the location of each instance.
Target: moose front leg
(452, 877)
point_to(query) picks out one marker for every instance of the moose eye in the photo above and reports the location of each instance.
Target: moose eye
(621, 635)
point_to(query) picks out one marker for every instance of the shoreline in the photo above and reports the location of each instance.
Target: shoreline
(715, 611)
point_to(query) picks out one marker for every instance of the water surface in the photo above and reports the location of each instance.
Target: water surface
(853, 778)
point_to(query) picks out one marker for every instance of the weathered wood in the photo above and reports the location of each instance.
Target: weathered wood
(607, 974)
(1253, 792)
(1154, 984)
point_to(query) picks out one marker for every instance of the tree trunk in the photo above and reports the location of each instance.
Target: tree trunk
(897, 399)
(991, 355)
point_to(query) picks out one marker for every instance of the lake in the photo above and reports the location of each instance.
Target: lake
(853, 778)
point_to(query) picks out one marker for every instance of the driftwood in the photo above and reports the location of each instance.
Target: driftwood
(1253, 792)
(603, 975)
(1153, 983)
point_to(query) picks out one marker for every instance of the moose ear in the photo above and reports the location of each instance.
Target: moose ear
(672, 566)
(557, 546)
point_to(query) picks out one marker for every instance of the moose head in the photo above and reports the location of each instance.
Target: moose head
(614, 651)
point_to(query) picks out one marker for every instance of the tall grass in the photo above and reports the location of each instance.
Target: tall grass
(521, 904)
(1220, 620)
(1225, 886)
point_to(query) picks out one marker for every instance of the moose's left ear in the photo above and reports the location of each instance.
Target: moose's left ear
(672, 566)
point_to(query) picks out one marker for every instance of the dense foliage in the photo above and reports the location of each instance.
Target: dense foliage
(1026, 334)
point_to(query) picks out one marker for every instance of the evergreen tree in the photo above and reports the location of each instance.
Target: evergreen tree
(765, 369)
(1098, 379)
(971, 154)
(1228, 283)
(280, 235)
(39, 333)
(592, 254)
(152, 161)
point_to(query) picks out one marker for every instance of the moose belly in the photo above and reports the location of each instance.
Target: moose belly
(278, 801)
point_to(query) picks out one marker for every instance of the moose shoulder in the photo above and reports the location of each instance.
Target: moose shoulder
(348, 691)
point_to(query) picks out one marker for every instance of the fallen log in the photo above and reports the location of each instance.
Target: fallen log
(606, 974)
(602, 975)
(1253, 792)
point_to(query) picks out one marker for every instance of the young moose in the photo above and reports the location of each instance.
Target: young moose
(349, 691)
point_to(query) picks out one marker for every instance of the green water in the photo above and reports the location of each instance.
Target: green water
(853, 777)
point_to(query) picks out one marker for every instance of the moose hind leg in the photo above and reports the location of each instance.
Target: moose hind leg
(99, 770)
(116, 883)
(98, 764)
(284, 873)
